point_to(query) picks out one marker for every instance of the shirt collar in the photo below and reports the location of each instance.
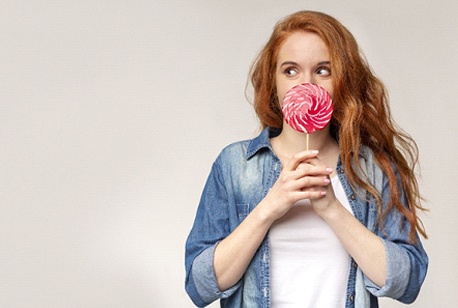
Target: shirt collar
(262, 141)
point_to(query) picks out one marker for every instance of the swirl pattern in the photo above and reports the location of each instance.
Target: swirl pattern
(307, 107)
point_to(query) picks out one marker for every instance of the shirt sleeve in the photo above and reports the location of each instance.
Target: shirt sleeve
(406, 262)
(211, 225)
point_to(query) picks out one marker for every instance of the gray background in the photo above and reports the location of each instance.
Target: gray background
(113, 111)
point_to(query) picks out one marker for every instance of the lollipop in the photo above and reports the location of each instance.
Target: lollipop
(307, 107)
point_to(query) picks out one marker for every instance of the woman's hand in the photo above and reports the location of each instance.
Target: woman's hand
(303, 177)
(327, 201)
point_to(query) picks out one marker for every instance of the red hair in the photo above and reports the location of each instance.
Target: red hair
(361, 112)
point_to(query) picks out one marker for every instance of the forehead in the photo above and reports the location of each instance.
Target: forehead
(303, 45)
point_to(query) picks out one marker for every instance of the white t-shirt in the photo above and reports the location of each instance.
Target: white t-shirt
(309, 265)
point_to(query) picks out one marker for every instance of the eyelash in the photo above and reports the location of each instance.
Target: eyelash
(321, 68)
(288, 71)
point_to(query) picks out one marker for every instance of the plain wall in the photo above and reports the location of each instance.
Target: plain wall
(113, 111)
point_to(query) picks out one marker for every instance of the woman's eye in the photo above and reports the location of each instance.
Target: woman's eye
(290, 72)
(324, 71)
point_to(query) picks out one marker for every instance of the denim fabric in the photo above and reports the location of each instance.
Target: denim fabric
(240, 178)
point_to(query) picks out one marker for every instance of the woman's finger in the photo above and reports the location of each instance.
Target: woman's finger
(300, 157)
(312, 169)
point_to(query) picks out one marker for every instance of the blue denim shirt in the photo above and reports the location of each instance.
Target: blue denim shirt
(240, 178)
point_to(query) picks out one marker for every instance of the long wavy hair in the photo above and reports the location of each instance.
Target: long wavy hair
(361, 112)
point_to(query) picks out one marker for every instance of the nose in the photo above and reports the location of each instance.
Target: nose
(307, 78)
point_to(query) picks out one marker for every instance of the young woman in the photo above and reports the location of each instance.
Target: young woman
(279, 225)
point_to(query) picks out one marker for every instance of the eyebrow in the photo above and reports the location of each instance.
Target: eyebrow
(294, 63)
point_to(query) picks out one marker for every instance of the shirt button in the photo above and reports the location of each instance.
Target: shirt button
(352, 197)
(355, 265)
(341, 171)
(351, 298)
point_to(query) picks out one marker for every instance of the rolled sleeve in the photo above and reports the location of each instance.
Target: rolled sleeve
(406, 261)
(398, 271)
(205, 279)
(406, 271)
(211, 225)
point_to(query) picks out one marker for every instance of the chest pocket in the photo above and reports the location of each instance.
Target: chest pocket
(243, 209)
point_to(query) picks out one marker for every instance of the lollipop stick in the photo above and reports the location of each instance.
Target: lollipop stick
(307, 142)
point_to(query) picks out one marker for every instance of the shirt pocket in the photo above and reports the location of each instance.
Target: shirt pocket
(243, 209)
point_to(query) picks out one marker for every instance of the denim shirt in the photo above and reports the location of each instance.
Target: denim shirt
(240, 178)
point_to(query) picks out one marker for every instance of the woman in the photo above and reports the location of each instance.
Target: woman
(279, 225)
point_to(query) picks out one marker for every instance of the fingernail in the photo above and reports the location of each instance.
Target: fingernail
(329, 169)
(315, 151)
(327, 181)
(323, 193)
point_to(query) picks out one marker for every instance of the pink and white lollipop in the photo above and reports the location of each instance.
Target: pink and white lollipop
(307, 107)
